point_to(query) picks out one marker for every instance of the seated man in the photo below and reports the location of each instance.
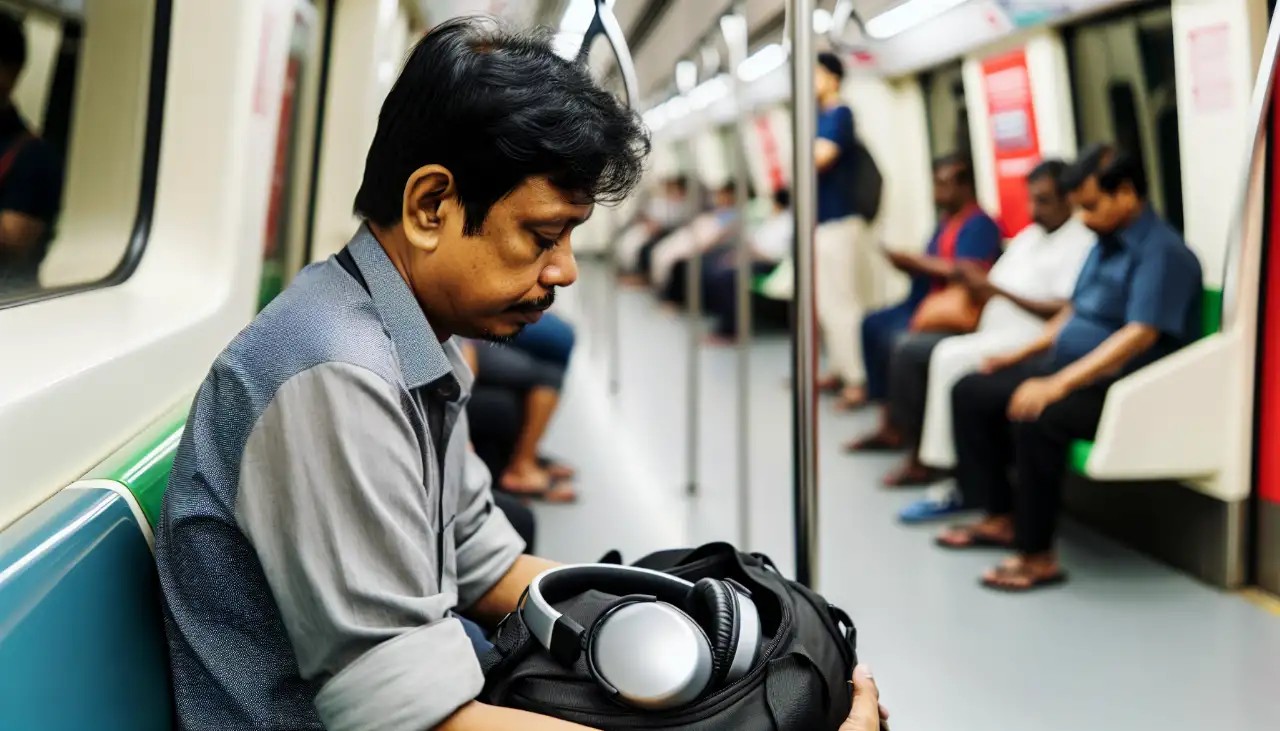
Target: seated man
(1029, 284)
(30, 176)
(770, 244)
(537, 383)
(1137, 299)
(325, 529)
(713, 232)
(965, 233)
(665, 212)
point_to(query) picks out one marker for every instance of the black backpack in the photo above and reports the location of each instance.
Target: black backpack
(868, 187)
(800, 682)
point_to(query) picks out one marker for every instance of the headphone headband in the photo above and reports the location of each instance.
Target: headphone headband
(561, 635)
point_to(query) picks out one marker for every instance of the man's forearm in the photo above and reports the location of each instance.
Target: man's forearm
(1109, 357)
(1044, 309)
(501, 600)
(482, 717)
(932, 266)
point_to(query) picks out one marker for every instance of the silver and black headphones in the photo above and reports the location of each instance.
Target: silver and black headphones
(661, 645)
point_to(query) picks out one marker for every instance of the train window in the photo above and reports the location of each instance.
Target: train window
(1123, 86)
(78, 141)
(948, 114)
(285, 238)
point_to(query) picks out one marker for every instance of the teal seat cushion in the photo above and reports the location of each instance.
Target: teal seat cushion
(81, 635)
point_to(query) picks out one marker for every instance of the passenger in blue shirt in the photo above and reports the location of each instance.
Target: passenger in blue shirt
(1136, 300)
(844, 241)
(965, 232)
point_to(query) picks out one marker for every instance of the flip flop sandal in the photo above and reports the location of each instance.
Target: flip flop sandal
(1033, 582)
(558, 487)
(908, 477)
(976, 540)
(557, 470)
(873, 443)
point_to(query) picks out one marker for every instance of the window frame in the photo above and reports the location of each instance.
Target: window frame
(157, 83)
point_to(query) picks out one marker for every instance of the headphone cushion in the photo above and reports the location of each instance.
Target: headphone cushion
(713, 605)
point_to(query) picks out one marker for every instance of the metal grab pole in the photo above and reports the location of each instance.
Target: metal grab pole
(734, 28)
(613, 316)
(685, 82)
(804, 129)
(605, 22)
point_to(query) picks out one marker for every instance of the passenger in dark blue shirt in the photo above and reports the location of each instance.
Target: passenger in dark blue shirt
(845, 239)
(30, 176)
(1137, 299)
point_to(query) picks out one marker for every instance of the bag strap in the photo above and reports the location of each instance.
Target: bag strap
(347, 262)
(11, 155)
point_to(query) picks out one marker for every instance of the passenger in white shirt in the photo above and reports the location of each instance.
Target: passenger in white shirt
(1030, 283)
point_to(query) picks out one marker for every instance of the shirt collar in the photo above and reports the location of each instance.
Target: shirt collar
(422, 357)
(1139, 229)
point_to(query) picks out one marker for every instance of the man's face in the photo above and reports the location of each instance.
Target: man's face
(1049, 207)
(947, 190)
(1104, 213)
(491, 285)
(825, 82)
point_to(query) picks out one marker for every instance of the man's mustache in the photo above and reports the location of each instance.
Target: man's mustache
(538, 305)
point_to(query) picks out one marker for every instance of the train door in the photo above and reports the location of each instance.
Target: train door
(284, 240)
(1123, 86)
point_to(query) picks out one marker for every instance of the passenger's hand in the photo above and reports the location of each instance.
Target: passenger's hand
(1033, 397)
(899, 260)
(866, 713)
(999, 362)
(975, 278)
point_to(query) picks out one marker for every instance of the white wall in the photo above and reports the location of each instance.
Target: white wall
(44, 34)
(1214, 140)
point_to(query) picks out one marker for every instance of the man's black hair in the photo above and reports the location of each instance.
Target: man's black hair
(1087, 165)
(496, 107)
(13, 42)
(832, 63)
(962, 164)
(782, 197)
(1053, 169)
(1123, 167)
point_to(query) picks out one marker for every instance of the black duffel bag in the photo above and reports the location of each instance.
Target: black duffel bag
(800, 681)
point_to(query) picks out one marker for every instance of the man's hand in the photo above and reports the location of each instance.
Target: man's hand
(999, 362)
(900, 261)
(1034, 396)
(975, 279)
(866, 714)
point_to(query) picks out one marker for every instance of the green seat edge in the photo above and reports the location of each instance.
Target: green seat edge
(1211, 320)
(142, 464)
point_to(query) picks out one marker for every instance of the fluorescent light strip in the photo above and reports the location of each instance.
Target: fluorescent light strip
(908, 15)
(762, 62)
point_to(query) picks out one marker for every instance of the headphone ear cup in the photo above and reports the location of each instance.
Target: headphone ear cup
(714, 607)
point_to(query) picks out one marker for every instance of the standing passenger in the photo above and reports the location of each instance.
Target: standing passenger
(843, 243)
(329, 549)
(1137, 299)
(30, 176)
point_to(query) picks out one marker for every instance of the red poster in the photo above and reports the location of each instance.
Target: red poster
(1013, 135)
(769, 146)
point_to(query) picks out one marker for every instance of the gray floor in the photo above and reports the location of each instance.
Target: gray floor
(1126, 644)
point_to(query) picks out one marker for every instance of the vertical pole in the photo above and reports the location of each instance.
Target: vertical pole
(804, 130)
(613, 317)
(734, 28)
(686, 80)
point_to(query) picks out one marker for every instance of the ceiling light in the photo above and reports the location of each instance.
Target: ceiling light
(907, 15)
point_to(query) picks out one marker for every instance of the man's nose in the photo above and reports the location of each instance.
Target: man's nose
(561, 272)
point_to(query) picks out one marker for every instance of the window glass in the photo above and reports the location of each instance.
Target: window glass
(75, 81)
(284, 240)
(1124, 91)
(948, 114)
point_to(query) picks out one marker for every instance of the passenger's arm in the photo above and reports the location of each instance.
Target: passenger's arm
(1043, 309)
(825, 154)
(482, 717)
(1042, 343)
(1109, 357)
(331, 498)
(835, 133)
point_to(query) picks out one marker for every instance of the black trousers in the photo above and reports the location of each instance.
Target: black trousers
(494, 417)
(987, 443)
(909, 381)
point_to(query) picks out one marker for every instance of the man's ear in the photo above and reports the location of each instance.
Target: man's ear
(424, 196)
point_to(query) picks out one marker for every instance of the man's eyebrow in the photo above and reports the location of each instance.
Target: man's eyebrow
(556, 220)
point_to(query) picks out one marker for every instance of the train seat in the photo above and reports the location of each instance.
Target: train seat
(1131, 445)
(81, 637)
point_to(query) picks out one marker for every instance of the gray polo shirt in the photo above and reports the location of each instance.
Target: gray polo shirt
(314, 541)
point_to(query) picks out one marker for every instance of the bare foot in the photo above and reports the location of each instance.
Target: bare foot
(851, 397)
(1024, 573)
(990, 532)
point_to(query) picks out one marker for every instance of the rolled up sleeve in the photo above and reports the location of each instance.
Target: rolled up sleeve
(331, 497)
(487, 542)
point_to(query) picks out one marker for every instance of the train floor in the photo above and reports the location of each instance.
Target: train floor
(1127, 643)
